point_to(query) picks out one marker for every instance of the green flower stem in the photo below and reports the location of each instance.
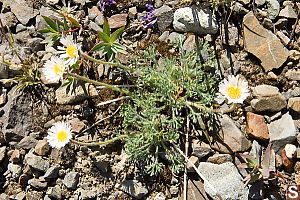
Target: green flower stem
(99, 83)
(105, 63)
(99, 143)
(210, 109)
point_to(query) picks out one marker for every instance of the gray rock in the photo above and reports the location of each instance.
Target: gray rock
(55, 192)
(260, 2)
(3, 71)
(282, 132)
(226, 179)
(239, 9)
(273, 8)
(233, 35)
(37, 184)
(93, 12)
(88, 194)
(79, 93)
(37, 162)
(52, 172)
(17, 118)
(8, 19)
(220, 158)
(258, 39)
(293, 75)
(20, 27)
(20, 196)
(27, 143)
(35, 44)
(164, 36)
(164, 16)
(231, 139)
(22, 11)
(133, 188)
(195, 20)
(99, 20)
(174, 36)
(101, 164)
(292, 93)
(2, 153)
(267, 98)
(71, 180)
(95, 27)
(200, 149)
(15, 170)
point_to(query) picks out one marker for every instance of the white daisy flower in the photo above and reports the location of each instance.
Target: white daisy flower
(54, 69)
(70, 51)
(59, 134)
(235, 89)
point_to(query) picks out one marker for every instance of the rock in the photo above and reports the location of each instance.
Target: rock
(174, 36)
(293, 75)
(52, 2)
(263, 44)
(40, 23)
(3, 96)
(267, 98)
(294, 104)
(35, 44)
(195, 20)
(18, 117)
(195, 161)
(99, 20)
(164, 16)
(55, 192)
(88, 194)
(220, 158)
(101, 164)
(174, 190)
(290, 151)
(27, 143)
(287, 163)
(15, 170)
(285, 40)
(71, 180)
(52, 172)
(239, 9)
(282, 132)
(260, 2)
(117, 21)
(37, 162)
(297, 167)
(288, 11)
(42, 147)
(20, 196)
(273, 8)
(200, 150)
(231, 139)
(77, 125)
(233, 35)
(132, 12)
(22, 11)
(37, 184)
(2, 153)
(133, 188)
(190, 43)
(80, 92)
(15, 156)
(93, 26)
(8, 19)
(3, 71)
(281, 23)
(225, 178)
(93, 12)
(257, 127)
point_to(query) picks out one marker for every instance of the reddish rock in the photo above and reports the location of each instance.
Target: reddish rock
(287, 163)
(15, 157)
(117, 21)
(257, 127)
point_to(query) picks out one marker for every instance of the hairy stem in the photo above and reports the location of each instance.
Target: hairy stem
(105, 63)
(99, 143)
(98, 83)
(210, 109)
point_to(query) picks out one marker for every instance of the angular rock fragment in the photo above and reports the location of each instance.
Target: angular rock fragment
(257, 127)
(133, 188)
(263, 44)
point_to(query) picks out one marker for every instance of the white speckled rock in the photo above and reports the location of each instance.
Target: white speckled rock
(195, 20)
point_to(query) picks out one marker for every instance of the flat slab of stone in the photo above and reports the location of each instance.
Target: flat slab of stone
(257, 127)
(263, 44)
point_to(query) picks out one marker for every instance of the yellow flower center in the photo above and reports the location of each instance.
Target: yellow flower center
(71, 51)
(58, 69)
(62, 136)
(234, 92)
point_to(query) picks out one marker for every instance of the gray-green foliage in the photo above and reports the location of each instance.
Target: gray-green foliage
(156, 114)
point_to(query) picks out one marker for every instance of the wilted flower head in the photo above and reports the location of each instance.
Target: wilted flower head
(103, 3)
(150, 16)
(59, 134)
(54, 69)
(235, 89)
(70, 51)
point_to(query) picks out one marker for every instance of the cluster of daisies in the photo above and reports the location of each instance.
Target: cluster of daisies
(235, 89)
(55, 68)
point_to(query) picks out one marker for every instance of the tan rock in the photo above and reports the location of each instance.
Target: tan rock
(263, 44)
(15, 157)
(42, 147)
(287, 163)
(257, 127)
(294, 104)
(77, 125)
(117, 21)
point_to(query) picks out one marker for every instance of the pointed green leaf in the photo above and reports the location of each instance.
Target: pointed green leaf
(98, 46)
(74, 22)
(51, 23)
(116, 35)
(106, 28)
(44, 31)
(104, 37)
